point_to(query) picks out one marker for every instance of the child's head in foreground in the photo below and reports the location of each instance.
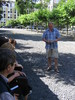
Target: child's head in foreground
(7, 60)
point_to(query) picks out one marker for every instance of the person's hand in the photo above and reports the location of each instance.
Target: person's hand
(21, 73)
(52, 41)
(55, 40)
(48, 41)
(16, 74)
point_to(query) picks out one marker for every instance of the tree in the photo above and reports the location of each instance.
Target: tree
(43, 15)
(67, 10)
(70, 9)
(42, 5)
(56, 16)
(12, 22)
(24, 6)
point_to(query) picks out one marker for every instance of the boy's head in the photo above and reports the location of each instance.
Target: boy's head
(50, 25)
(5, 43)
(7, 60)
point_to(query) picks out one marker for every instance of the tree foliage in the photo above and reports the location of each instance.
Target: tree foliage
(12, 22)
(28, 6)
(42, 5)
(67, 12)
(24, 6)
(38, 17)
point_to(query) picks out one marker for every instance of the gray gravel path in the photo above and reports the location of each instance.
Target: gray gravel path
(46, 85)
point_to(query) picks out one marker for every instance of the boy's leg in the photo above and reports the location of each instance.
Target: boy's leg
(49, 62)
(55, 54)
(48, 52)
(56, 64)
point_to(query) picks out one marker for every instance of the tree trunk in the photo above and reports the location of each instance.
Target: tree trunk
(67, 28)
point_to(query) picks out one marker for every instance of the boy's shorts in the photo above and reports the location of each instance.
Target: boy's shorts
(52, 53)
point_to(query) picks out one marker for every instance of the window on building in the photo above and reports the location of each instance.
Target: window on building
(8, 11)
(15, 16)
(7, 5)
(11, 16)
(15, 11)
(4, 15)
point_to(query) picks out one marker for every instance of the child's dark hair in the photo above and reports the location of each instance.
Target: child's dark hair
(7, 57)
(3, 39)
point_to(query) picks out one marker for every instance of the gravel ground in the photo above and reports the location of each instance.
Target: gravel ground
(31, 54)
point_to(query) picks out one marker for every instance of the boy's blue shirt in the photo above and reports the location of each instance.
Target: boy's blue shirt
(51, 35)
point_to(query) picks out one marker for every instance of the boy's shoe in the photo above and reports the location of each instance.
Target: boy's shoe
(48, 69)
(56, 70)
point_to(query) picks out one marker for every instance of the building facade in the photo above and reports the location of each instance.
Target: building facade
(52, 3)
(9, 11)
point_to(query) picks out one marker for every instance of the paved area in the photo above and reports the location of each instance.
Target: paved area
(31, 54)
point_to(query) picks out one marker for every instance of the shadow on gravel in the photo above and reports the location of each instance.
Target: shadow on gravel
(35, 65)
(6, 33)
(67, 70)
(66, 66)
(40, 91)
(21, 36)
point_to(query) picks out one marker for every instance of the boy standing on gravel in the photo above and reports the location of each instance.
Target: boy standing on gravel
(51, 36)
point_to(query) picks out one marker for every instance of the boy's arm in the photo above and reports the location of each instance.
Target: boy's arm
(16, 74)
(58, 37)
